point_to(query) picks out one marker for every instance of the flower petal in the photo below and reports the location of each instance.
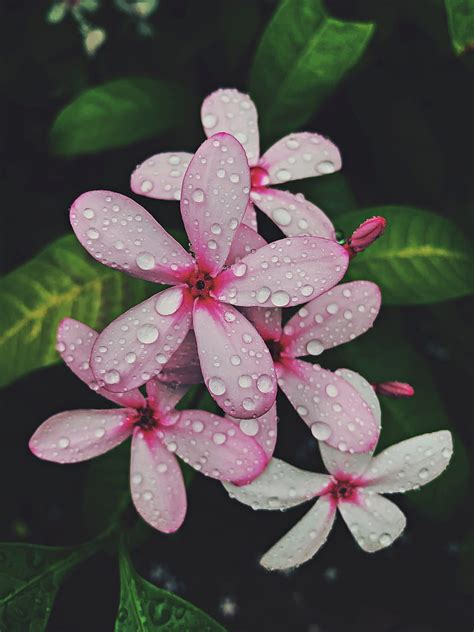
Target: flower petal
(214, 446)
(266, 320)
(303, 155)
(183, 367)
(374, 521)
(263, 429)
(156, 483)
(365, 390)
(236, 364)
(343, 464)
(78, 435)
(411, 463)
(284, 273)
(293, 214)
(163, 397)
(75, 341)
(245, 242)
(228, 110)
(331, 407)
(302, 542)
(250, 217)
(137, 344)
(121, 234)
(281, 486)
(161, 175)
(335, 317)
(214, 197)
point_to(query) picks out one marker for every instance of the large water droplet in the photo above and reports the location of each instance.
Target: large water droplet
(145, 261)
(216, 386)
(315, 347)
(249, 427)
(112, 377)
(219, 438)
(264, 383)
(169, 302)
(147, 334)
(198, 195)
(326, 166)
(280, 298)
(320, 431)
(209, 121)
(281, 216)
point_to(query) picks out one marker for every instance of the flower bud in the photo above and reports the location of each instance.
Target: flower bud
(365, 235)
(394, 389)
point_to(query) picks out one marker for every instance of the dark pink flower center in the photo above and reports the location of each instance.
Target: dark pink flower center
(200, 284)
(146, 419)
(259, 177)
(343, 489)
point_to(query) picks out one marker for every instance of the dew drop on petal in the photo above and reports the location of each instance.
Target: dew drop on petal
(147, 334)
(112, 377)
(219, 438)
(63, 442)
(280, 298)
(249, 427)
(264, 383)
(314, 347)
(331, 390)
(216, 386)
(145, 261)
(320, 431)
(281, 216)
(198, 195)
(169, 302)
(326, 166)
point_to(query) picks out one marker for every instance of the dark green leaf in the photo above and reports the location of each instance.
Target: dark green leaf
(461, 24)
(421, 258)
(117, 113)
(302, 57)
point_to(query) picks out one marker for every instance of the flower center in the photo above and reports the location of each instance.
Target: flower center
(200, 284)
(146, 420)
(259, 177)
(343, 489)
(275, 348)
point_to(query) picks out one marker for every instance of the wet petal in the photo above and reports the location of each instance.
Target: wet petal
(246, 241)
(343, 464)
(250, 217)
(266, 320)
(263, 429)
(287, 272)
(214, 197)
(78, 435)
(183, 367)
(236, 364)
(365, 390)
(293, 214)
(156, 483)
(228, 110)
(136, 345)
(121, 234)
(336, 317)
(162, 398)
(303, 155)
(161, 175)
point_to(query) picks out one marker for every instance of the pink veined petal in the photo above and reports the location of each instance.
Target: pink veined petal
(162, 398)
(302, 542)
(365, 390)
(136, 345)
(287, 272)
(183, 367)
(161, 175)
(228, 110)
(335, 317)
(214, 197)
(293, 214)
(245, 242)
(121, 234)
(410, 464)
(214, 446)
(331, 407)
(156, 483)
(75, 341)
(236, 364)
(280, 486)
(250, 217)
(374, 521)
(266, 320)
(78, 435)
(302, 155)
(263, 429)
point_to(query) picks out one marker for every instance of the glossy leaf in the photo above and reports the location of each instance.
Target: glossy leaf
(461, 24)
(301, 59)
(421, 258)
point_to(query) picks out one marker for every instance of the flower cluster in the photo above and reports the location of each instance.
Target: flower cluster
(220, 322)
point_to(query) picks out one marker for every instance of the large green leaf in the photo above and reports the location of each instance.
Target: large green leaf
(60, 281)
(421, 258)
(117, 113)
(461, 24)
(144, 607)
(302, 57)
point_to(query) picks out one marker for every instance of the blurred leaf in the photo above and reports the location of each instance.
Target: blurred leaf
(117, 113)
(60, 281)
(144, 607)
(302, 57)
(421, 258)
(461, 24)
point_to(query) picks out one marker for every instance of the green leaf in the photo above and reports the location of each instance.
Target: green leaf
(461, 24)
(302, 57)
(144, 607)
(422, 257)
(60, 281)
(117, 113)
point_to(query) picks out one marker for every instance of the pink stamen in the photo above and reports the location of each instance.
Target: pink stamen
(259, 177)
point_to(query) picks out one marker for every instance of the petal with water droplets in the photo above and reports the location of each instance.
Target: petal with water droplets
(162, 398)
(183, 367)
(263, 429)
(250, 217)
(266, 320)
(161, 176)
(245, 242)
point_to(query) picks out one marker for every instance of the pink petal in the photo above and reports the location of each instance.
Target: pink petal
(293, 214)
(285, 273)
(78, 435)
(245, 242)
(121, 234)
(161, 175)
(237, 366)
(214, 446)
(136, 346)
(75, 341)
(336, 317)
(162, 398)
(156, 483)
(183, 367)
(214, 197)
(303, 155)
(280, 486)
(365, 390)
(331, 407)
(302, 542)
(343, 464)
(250, 217)
(263, 429)
(411, 463)
(228, 110)
(266, 320)
(374, 521)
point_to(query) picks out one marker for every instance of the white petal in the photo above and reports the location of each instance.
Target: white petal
(343, 463)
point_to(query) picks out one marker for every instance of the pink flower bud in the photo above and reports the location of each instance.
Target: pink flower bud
(365, 235)
(394, 389)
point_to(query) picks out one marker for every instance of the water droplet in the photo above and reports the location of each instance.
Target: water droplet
(302, 411)
(112, 377)
(88, 213)
(197, 426)
(292, 143)
(198, 195)
(146, 186)
(137, 479)
(147, 334)
(216, 386)
(332, 308)
(248, 404)
(423, 473)
(219, 438)
(249, 427)
(265, 383)
(315, 347)
(209, 121)
(320, 431)
(92, 233)
(162, 468)
(326, 166)
(145, 261)
(99, 433)
(234, 177)
(342, 446)
(235, 360)
(221, 173)
(147, 495)
(239, 269)
(307, 290)
(446, 453)
(63, 442)
(263, 294)
(211, 244)
(169, 302)
(131, 357)
(385, 539)
(216, 229)
(348, 314)
(331, 390)
(245, 381)
(283, 174)
(281, 216)
(280, 298)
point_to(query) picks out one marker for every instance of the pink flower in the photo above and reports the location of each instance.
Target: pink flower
(301, 155)
(365, 235)
(354, 486)
(394, 389)
(212, 445)
(329, 403)
(235, 362)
